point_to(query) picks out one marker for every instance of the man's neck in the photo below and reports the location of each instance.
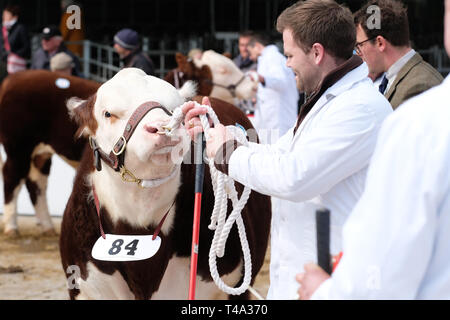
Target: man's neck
(393, 55)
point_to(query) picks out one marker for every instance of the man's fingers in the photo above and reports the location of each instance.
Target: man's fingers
(187, 106)
(195, 112)
(299, 277)
(206, 101)
(311, 267)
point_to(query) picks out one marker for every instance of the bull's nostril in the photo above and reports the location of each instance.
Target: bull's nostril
(151, 129)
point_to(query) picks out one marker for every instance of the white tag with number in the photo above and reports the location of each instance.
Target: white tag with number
(125, 247)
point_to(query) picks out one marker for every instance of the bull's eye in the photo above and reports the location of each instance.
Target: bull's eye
(107, 114)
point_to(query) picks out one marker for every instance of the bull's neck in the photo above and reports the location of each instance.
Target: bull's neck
(128, 202)
(222, 94)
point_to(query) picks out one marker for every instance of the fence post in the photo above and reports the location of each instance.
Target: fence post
(86, 58)
(145, 45)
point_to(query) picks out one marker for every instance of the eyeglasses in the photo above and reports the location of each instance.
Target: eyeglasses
(359, 44)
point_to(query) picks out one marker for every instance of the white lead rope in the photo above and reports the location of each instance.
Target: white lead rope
(224, 189)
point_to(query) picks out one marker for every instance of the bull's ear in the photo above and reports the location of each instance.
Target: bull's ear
(82, 112)
(188, 90)
(227, 54)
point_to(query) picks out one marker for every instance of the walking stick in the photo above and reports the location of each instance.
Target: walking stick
(199, 174)
(323, 239)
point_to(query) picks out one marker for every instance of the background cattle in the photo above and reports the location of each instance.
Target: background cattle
(216, 75)
(34, 125)
(129, 209)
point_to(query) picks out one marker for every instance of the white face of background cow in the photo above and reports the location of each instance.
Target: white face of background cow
(148, 154)
(226, 73)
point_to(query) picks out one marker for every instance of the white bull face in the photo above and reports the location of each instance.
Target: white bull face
(148, 154)
(225, 73)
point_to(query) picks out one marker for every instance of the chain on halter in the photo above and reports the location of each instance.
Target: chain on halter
(224, 189)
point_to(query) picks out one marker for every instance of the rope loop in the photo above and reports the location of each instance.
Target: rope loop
(224, 189)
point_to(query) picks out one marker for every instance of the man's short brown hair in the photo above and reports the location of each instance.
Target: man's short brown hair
(394, 25)
(320, 21)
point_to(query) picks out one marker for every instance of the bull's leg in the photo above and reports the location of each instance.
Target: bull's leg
(15, 171)
(36, 183)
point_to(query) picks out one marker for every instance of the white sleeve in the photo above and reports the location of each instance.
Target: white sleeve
(277, 77)
(388, 238)
(341, 145)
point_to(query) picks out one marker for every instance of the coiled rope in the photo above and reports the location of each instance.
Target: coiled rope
(224, 189)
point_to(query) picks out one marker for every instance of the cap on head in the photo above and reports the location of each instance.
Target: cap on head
(50, 32)
(127, 39)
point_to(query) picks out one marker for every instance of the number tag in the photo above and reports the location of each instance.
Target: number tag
(125, 248)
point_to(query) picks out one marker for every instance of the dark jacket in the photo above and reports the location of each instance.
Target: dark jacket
(139, 59)
(245, 64)
(18, 40)
(41, 60)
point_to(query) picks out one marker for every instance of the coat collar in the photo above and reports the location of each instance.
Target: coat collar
(415, 60)
(337, 81)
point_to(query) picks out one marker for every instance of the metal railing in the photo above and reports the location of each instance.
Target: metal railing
(438, 58)
(100, 63)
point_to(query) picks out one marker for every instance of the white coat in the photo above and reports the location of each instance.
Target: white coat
(396, 243)
(323, 165)
(277, 100)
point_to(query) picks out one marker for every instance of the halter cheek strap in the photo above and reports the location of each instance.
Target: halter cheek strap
(116, 158)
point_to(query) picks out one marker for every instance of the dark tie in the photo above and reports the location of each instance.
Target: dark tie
(383, 85)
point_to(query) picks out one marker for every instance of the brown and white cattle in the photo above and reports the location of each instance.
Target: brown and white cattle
(216, 75)
(125, 208)
(34, 125)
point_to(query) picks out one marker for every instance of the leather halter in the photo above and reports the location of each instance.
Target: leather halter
(116, 158)
(231, 88)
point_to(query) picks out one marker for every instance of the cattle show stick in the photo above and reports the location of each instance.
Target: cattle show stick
(323, 239)
(199, 176)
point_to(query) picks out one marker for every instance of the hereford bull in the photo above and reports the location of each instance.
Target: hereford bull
(34, 125)
(216, 75)
(134, 107)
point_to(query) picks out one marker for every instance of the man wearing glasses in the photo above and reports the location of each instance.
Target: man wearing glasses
(387, 51)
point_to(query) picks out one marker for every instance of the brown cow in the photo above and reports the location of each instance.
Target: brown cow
(135, 104)
(34, 125)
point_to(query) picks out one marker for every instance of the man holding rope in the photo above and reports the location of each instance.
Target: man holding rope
(321, 161)
(397, 241)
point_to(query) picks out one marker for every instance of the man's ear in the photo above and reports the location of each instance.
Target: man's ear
(318, 52)
(82, 113)
(381, 43)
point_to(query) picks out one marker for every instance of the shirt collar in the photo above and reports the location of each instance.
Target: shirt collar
(399, 64)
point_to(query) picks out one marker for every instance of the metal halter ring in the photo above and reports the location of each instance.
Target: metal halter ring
(127, 176)
(123, 146)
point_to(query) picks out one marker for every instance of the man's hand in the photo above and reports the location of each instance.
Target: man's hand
(217, 137)
(191, 120)
(310, 280)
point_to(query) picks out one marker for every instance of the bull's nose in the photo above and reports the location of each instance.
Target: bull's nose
(150, 129)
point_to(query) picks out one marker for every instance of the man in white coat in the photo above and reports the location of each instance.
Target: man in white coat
(277, 96)
(322, 160)
(396, 243)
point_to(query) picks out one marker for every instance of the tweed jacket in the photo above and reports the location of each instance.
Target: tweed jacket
(415, 77)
